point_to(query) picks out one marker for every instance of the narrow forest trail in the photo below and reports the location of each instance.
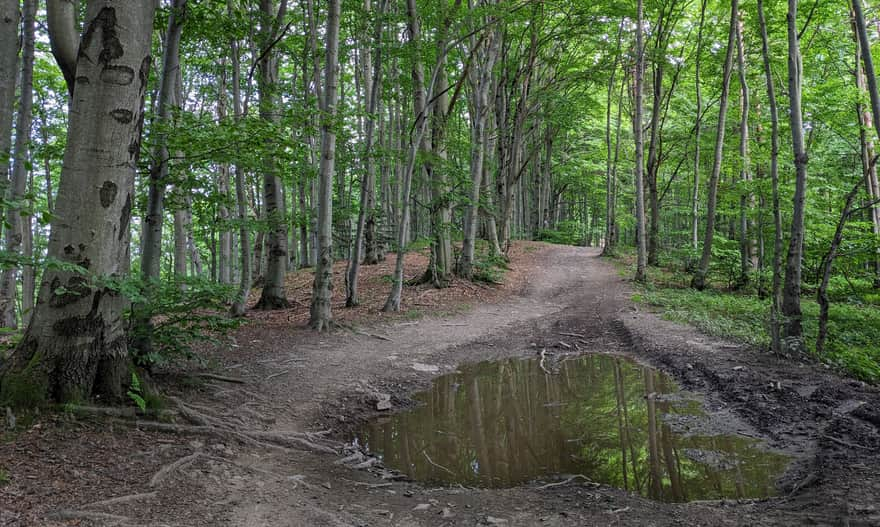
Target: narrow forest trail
(306, 382)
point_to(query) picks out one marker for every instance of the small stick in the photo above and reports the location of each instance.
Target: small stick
(541, 364)
(215, 377)
(279, 374)
(431, 461)
(368, 485)
(560, 483)
(575, 335)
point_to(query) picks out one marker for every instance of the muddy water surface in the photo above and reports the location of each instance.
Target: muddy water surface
(505, 423)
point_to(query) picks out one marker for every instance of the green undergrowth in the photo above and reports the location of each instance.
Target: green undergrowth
(853, 344)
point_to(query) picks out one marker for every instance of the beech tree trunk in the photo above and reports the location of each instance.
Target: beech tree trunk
(748, 245)
(75, 345)
(273, 295)
(322, 289)
(698, 127)
(701, 275)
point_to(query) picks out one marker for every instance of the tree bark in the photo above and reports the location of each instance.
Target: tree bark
(700, 277)
(75, 345)
(320, 313)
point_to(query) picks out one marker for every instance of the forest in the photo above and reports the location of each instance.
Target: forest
(181, 180)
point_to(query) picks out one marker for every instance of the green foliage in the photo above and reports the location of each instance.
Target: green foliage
(135, 392)
(568, 232)
(854, 331)
(182, 314)
(4, 477)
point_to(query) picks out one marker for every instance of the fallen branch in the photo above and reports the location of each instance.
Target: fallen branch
(168, 469)
(543, 358)
(121, 499)
(574, 335)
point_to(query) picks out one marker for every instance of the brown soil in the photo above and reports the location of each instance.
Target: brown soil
(301, 381)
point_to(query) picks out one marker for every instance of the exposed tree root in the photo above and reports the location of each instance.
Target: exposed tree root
(168, 469)
(68, 514)
(121, 500)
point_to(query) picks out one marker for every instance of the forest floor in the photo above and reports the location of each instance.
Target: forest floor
(233, 470)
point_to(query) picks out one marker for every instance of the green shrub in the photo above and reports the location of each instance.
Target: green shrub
(183, 313)
(569, 232)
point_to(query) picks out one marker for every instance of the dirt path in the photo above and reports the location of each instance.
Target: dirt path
(306, 382)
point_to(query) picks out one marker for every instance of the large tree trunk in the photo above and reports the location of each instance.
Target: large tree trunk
(15, 224)
(774, 181)
(641, 242)
(273, 295)
(75, 345)
(793, 340)
(320, 314)
(699, 281)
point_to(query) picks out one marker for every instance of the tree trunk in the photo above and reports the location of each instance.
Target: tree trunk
(870, 79)
(372, 84)
(793, 340)
(700, 277)
(698, 126)
(774, 181)
(480, 79)
(641, 242)
(320, 314)
(9, 21)
(75, 345)
(748, 245)
(15, 235)
(239, 305)
(610, 184)
(273, 295)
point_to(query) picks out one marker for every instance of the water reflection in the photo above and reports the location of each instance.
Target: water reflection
(501, 424)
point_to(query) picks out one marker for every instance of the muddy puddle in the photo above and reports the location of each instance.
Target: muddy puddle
(506, 423)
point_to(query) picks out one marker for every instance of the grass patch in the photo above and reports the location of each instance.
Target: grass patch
(853, 330)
